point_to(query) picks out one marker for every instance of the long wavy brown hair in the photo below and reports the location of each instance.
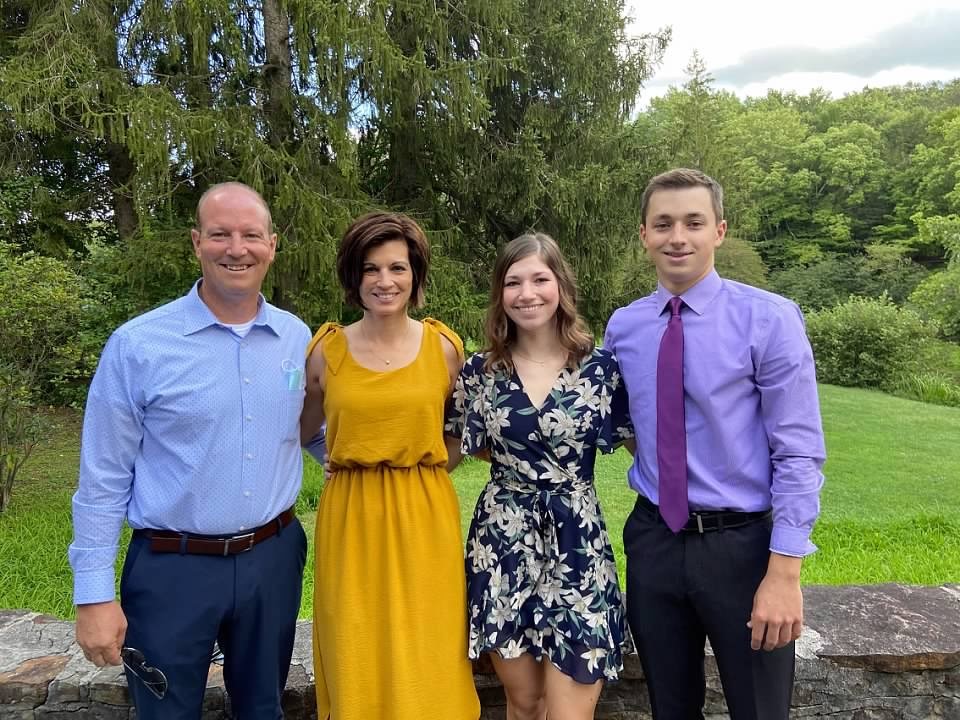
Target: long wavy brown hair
(500, 332)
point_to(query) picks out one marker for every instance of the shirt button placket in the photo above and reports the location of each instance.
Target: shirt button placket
(247, 434)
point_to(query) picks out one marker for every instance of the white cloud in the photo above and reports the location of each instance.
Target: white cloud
(748, 31)
(840, 84)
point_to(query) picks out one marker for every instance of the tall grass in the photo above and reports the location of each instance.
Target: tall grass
(929, 387)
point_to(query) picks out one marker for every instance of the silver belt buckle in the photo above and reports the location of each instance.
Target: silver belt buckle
(238, 538)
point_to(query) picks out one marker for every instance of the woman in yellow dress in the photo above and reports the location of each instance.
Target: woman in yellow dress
(389, 626)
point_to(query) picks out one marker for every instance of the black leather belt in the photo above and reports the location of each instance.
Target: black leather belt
(168, 541)
(704, 521)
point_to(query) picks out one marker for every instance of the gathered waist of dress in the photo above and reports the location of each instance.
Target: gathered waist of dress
(566, 485)
(381, 466)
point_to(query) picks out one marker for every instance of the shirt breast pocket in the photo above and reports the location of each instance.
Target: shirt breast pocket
(289, 408)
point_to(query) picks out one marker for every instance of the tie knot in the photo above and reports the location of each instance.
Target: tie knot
(675, 305)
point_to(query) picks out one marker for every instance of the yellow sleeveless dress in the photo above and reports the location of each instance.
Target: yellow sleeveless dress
(389, 630)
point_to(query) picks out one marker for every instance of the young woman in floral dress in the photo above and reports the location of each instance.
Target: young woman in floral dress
(540, 400)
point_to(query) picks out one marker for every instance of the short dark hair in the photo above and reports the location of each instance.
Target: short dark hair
(679, 178)
(370, 231)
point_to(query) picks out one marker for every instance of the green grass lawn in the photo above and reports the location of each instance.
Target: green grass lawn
(891, 502)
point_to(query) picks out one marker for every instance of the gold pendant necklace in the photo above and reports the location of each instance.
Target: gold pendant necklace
(541, 363)
(370, 342)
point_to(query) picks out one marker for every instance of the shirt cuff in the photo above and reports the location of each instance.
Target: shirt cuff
(794, 542)
(94, 586)
(317, 447)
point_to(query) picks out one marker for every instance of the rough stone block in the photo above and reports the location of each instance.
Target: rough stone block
(888, 628)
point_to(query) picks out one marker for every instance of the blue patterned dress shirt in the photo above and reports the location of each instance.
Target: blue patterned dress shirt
(188, 427)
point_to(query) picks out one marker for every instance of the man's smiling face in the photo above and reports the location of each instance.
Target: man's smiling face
(681, 234)
(234, 245)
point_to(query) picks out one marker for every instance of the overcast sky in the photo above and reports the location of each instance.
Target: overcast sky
(839, 45)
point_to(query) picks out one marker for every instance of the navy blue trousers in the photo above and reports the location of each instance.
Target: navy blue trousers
(684, 588)
(178, 605)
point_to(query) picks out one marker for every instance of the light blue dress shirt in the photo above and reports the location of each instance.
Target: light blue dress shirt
(754, 435)
(188, 427)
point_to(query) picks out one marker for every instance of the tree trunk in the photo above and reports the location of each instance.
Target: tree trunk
(5, 494)
(121, 173)
(278, 84)
(277, 73)
(121, 166)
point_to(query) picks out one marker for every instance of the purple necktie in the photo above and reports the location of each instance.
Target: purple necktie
(671, 425)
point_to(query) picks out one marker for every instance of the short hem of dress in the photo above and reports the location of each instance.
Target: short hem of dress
(475, 655)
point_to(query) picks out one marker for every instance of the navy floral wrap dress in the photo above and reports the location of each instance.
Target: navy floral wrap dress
(541, 576)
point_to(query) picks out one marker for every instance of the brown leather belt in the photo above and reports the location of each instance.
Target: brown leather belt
(168, 541)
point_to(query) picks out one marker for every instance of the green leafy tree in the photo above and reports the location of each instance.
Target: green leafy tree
(556, 153)
(738, 260)
(938, 297)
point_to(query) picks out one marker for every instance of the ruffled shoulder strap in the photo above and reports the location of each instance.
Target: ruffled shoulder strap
(333, 343)
(447, 333)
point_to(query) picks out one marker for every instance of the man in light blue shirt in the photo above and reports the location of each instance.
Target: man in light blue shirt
(191, 434)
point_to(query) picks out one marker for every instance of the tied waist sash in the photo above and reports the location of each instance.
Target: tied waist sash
(545, 508)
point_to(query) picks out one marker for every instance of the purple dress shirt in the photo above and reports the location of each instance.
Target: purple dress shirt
(754, 436)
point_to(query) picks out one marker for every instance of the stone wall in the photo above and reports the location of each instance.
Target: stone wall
(881, 652)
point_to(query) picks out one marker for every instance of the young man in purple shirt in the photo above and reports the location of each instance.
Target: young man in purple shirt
(727, 566)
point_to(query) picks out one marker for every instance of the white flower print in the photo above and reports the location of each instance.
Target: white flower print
(512, 650)
(525, 469)
(554, 474)
(510, 521)
(588, 394)
(589, 513)
(497, 582)
(605, 574)
(604, 405)
(500, 613)
(568, 379)
(497, 419)
(578, 603)
(593, 657)
(481, 555)
(595, 618)
(550, 592)
(557, 423)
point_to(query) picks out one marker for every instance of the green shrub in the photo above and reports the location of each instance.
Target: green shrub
(865, 342)
(49, 322)
(41, 308)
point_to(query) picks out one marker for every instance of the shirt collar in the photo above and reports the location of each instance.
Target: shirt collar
(197, 316)
(697, 297)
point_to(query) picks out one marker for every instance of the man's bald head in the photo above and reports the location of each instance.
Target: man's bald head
(232, 186)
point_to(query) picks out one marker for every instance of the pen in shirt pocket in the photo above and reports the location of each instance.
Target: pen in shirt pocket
(296, 379)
